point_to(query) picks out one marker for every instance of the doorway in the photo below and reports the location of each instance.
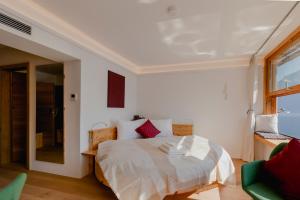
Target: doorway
(14, 123)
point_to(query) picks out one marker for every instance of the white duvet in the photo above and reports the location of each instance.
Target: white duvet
(139, 170)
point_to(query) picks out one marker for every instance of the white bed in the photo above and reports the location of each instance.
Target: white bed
(138, 170)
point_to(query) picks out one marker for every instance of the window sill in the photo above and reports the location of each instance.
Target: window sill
(268, 142)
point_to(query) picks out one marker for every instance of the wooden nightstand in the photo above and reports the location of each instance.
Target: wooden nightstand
(90, 154)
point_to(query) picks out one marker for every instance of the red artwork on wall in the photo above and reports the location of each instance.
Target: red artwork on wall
(115, 90)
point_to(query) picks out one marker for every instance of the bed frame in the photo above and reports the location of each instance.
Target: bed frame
(101, 135)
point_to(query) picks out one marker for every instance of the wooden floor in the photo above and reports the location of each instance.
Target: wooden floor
(52, 187)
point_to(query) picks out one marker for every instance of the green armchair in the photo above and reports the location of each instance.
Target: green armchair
(252, 182)
(14, 189)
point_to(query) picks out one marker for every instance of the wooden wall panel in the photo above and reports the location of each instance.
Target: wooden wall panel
(5, 141)
(19, 117)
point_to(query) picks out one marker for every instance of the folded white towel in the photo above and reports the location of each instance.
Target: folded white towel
(170, 144)
(172, 149)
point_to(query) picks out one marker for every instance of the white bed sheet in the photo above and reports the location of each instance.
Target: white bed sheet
(139, 170)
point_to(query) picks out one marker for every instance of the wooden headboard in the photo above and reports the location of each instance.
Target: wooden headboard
(100, 135)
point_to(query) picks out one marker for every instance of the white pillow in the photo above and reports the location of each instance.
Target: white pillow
(164, 126)
(126, 129)
(267, 123)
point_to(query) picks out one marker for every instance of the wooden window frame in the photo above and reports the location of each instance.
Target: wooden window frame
(270, 97)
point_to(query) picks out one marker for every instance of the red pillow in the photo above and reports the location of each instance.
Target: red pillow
(147, 130)
(285, 167)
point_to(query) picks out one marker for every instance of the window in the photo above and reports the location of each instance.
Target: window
(287, 70)
(282, 84)
(288, 108)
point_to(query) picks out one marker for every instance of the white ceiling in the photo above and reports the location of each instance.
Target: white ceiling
(197, 31)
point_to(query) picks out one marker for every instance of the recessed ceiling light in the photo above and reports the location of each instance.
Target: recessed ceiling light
(147, 1)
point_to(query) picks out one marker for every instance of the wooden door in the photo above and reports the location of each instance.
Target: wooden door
(45, 112)
(19, 117)
(5, 138)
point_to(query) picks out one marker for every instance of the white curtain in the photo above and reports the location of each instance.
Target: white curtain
(248, 141)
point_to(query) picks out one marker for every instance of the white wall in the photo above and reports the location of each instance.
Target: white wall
(215, 101)
(94, 98)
